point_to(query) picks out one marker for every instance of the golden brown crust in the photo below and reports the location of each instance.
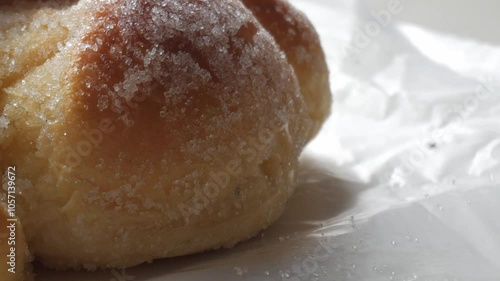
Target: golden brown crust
(152, 123)
(298, 39)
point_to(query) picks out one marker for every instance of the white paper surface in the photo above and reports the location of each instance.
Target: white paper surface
(403, 182)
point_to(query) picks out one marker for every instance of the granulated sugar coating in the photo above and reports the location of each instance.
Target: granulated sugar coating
(145, 123)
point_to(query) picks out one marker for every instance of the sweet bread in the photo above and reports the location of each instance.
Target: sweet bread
(145, 129)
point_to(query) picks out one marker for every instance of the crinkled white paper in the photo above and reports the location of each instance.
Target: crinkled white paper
(402, 184)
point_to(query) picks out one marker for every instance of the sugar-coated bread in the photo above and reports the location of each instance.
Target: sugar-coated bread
(144, 129)
(298, 39)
